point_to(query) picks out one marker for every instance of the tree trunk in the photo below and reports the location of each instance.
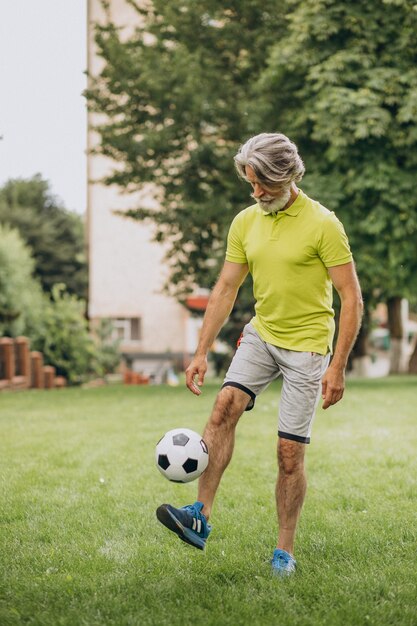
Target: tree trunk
(412, 365)
(359, 360)
(396, 330)
(361, 347)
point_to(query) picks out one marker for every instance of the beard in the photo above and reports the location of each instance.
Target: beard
(271, 204)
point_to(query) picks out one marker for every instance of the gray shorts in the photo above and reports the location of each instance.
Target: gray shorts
(257, 363)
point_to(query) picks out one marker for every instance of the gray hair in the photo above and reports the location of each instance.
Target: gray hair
(273, 158)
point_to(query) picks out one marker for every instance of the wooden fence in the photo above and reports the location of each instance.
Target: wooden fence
(22, 369)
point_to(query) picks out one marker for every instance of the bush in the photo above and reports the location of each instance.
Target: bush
(64, 338)
(21, 298)
(55, 325)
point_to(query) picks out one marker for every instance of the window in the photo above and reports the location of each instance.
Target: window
(127, 329)
(135, 334)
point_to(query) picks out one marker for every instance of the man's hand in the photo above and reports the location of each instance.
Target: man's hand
(332, 385)
(197, 367)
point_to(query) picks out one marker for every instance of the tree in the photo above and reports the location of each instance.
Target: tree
(175, 98)
(55, 235)
(21, 298)
(344, 81)
(196, 79)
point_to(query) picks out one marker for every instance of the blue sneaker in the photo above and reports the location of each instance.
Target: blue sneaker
(188, 523)
(283, 564)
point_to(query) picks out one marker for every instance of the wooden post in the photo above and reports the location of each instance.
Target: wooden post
(7, 355)
(23, 361)
(6, 362)
(38, 381)
(49, 376)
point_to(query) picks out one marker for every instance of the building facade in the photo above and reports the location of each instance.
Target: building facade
(126, 268)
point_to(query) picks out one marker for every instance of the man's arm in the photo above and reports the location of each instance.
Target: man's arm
(218, 309)
(346, 282)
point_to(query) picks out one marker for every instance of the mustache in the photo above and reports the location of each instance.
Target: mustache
(263, 199)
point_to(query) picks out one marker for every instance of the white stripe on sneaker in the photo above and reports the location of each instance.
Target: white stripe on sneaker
(194, 523)
(199, 525)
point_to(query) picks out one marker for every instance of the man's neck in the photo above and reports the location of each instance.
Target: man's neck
(294, 195)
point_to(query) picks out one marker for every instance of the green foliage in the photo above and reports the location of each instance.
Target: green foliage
(66, 343)
(175, 97)
(64, 339)
(55, 235)
(21, 298)
(344, 83)
(56, 325)
(196, 79)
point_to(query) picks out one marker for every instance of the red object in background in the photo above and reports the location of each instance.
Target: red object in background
(133, 378)
(198, 303)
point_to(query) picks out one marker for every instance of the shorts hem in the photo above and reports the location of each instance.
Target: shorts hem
(250, 393)
(293, 437)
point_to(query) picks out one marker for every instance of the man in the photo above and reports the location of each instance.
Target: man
(295, 249)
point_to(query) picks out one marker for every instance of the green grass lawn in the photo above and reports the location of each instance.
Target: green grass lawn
(80, 543)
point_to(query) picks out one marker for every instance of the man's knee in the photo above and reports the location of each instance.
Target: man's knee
(229, 406)
(290, 456)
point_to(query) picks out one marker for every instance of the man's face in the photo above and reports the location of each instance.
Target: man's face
(269, 200)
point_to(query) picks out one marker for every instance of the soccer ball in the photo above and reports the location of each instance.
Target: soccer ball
(181, 455)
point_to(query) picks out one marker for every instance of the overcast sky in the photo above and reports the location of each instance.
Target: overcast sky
(42, 113)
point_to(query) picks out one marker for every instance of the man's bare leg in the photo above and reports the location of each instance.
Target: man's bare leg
(290, 491)
(219, 435)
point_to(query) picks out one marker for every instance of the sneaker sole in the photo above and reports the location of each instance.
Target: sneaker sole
(282, 573)
(169, 520)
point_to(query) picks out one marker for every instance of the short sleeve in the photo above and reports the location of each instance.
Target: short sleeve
(333, 247)
(235, 251)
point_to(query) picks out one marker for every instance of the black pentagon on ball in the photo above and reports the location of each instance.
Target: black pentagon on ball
(180, 440)
(163, 461)
(190, 465)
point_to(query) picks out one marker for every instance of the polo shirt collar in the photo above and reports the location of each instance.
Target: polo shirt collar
(292, 210)
(297, 205)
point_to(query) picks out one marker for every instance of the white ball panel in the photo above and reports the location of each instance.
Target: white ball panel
(192, 476)
(175, 472)
(164, 445)
(177, 455)
(203, 462)
(194, 449)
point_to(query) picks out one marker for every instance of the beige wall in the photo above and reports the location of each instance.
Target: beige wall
(126, 268)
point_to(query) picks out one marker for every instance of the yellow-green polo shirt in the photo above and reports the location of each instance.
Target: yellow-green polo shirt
(288, 254)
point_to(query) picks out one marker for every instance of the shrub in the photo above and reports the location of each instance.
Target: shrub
(21, 298)
(64, 338)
